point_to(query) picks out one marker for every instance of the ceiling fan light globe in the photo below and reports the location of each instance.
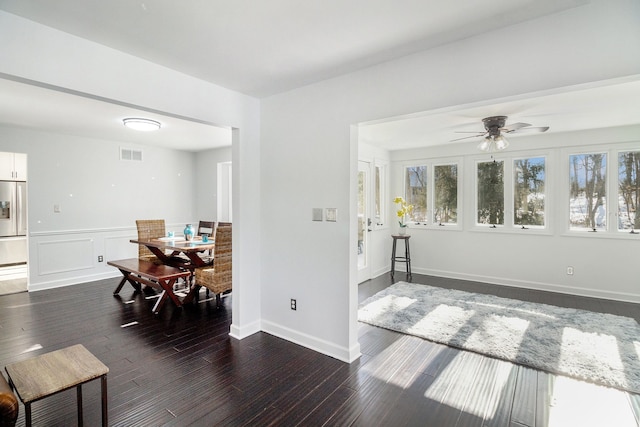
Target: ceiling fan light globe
(500, 142)
(485, 144)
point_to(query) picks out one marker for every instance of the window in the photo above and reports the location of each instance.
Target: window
(380, 194)
(416, 192)
(445, 203)
(628, 190)
(587, 192)
(529, 192)
(490, 196)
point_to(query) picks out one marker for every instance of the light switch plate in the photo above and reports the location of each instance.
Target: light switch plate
(316, 214)
(331, 214)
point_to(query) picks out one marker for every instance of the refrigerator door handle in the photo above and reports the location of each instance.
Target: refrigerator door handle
(18, 207)
(21, 211)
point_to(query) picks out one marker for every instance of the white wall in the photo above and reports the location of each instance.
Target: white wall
(309, 153)
(99, 196)
(207, 181)
(34, 52)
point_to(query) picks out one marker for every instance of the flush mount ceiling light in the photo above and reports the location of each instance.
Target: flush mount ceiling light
(145, 125)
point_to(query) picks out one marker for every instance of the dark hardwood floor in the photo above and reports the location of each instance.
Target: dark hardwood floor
(181, 368)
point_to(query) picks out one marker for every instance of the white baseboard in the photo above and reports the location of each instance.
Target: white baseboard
(240, 332)
(72, 281)
(540, 286)
(343, 354)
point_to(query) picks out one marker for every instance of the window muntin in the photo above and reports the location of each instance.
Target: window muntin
(628, 190)
(416, 192)
(588, 191)
(529, 192)
(445, 193)
(490, 195)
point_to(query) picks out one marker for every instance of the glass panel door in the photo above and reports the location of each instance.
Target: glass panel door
(364, 220)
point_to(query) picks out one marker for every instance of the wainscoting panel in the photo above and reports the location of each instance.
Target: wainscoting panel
(62, 256)
(119, 247)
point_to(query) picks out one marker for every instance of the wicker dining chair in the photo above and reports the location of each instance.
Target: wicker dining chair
(218, 278)
(206, 227)
(148, 229)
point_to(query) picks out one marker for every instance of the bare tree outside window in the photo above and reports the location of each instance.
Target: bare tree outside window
(587, 202)
(416, 192)
(445, 179)
(528, 191)
(628, 190)
(490, 207)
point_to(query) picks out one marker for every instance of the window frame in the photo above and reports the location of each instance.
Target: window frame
(612, 150)
(546, 193)
(509, 226)
(383, 221)
(430, 165)
(505, 197)
(459, 213)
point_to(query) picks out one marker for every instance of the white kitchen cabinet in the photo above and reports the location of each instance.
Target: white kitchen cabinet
(13, 166)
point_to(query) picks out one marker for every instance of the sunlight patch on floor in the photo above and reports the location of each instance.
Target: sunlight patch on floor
(590, 348)
(443, 318)
(492, 334)
(455, 383)
(576, 403)
(390, 302)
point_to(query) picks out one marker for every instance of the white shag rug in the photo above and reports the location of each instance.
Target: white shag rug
(596, 347)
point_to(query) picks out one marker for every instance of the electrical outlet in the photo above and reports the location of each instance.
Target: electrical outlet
(293, 304)
(570, 271)
(100, 258)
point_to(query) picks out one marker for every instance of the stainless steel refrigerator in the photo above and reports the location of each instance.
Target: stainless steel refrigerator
(13, 223)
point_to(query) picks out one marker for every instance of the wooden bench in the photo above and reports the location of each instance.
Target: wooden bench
(140, 272)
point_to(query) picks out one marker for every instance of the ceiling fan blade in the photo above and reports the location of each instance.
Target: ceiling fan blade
(477, 135)
(532, 129)
(514, 126)
(469, 131)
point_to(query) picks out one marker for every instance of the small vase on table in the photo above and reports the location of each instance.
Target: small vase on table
(189, 232)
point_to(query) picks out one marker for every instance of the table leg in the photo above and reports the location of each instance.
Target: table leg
(105, 421)
(79, 393)
(158, 305)
(168, 287)
(121, 284)
(27, 414)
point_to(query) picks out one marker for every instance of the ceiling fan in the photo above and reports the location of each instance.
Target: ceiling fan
(495, 128)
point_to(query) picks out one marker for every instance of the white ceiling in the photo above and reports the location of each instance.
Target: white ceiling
(593, 107)
(263, 47)
(28, 106)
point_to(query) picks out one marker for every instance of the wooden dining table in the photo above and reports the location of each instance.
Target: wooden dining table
(168, 250)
